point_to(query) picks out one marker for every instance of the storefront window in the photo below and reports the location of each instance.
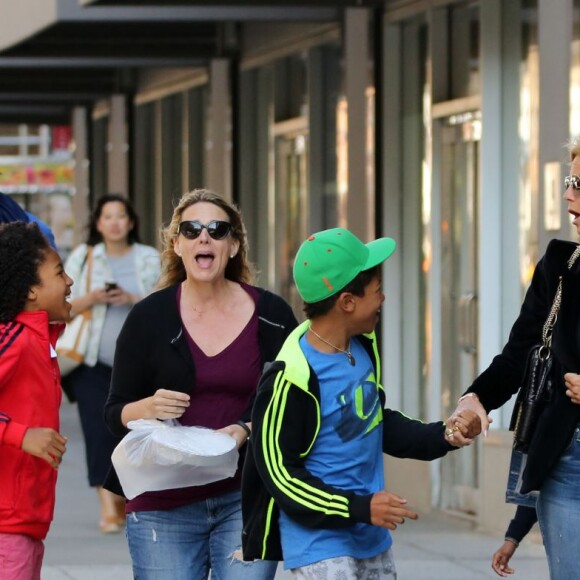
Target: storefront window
(465, 49)
(289, 134)
(575, 86)
(529, 144)
(575, 75)
(414, 240)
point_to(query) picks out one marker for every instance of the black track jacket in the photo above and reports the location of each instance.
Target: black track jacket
(285, 424)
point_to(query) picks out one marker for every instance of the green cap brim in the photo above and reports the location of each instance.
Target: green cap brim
(379, 251)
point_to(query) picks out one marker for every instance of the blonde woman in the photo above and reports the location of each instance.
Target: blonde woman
(194, 351)
(553, 462)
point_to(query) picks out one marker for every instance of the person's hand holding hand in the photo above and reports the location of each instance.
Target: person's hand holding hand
(388, 511)
(45, 443)
(499, 561)
(462, 428)
(166, 404)
(572, 382)
(471, 403)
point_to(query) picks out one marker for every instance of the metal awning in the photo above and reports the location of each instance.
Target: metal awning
(63, 53)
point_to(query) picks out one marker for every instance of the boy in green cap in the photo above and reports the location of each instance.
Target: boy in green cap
(313, 486)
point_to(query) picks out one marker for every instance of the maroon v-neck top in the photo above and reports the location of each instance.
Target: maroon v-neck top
(224, 387)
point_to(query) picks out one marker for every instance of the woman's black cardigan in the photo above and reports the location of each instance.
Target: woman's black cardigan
(503, 377)
(152, 352)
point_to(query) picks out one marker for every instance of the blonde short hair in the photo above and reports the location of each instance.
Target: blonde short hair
(574, 148)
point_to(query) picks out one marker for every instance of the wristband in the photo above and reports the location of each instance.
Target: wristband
(245, 427)
(512, 540)
(474, 395)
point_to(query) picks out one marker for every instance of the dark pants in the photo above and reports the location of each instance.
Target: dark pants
(91, 388)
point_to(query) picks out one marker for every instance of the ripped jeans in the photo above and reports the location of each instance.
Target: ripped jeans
(186, 542)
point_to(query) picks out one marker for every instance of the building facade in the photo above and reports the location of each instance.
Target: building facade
(441, 123)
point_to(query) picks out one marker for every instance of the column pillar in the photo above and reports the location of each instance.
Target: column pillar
(554, 40)
(360, 201)
(219, 160)
(80, 201)
(118, 147)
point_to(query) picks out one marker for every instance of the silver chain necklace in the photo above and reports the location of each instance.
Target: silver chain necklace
(345, 351)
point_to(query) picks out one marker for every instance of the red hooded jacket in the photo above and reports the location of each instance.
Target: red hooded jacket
(30, 396)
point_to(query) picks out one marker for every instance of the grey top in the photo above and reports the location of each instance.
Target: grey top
(125, 274)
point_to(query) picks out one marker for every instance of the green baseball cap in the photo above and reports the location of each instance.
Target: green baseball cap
(327, 261)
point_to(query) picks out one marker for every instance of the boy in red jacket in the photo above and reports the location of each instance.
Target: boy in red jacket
(33, 291)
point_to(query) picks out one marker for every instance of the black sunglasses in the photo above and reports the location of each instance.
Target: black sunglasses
(217, 229)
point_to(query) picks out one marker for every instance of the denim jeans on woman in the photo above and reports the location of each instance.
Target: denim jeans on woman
(186, 542)
(559, 514)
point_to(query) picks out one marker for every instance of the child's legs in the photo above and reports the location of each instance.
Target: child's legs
(20, 557)
(381, 567)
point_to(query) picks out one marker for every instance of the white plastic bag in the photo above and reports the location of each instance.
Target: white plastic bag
(158, 455)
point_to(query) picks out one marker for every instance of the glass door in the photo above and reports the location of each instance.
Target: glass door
(459, 148)
(291, 201)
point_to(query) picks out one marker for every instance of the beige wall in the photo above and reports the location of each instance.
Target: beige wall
(20, 20)
(411, 480)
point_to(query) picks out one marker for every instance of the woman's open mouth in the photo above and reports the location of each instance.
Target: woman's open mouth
(204, 260)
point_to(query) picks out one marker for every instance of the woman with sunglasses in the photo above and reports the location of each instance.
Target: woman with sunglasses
(112, 252)
(194, 351)
(553, 461)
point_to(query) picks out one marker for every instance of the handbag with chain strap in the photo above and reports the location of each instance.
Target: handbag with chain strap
(537, 386)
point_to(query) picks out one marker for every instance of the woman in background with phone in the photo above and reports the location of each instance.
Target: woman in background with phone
(123, 271)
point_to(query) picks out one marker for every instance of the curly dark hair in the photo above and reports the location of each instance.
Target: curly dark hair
(356, 286)
(22, 250)
(95, 236)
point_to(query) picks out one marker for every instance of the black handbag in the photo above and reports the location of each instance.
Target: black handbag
(537, 386)
(535, 393)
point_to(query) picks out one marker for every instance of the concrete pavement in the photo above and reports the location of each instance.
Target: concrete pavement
(437, 546)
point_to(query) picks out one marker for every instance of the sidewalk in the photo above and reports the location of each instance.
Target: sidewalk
(437, 546)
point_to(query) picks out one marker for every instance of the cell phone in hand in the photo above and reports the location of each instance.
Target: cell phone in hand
(111, 286)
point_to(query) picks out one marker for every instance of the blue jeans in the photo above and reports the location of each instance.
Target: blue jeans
(559, 514)
(186, 542)
(513, 493)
